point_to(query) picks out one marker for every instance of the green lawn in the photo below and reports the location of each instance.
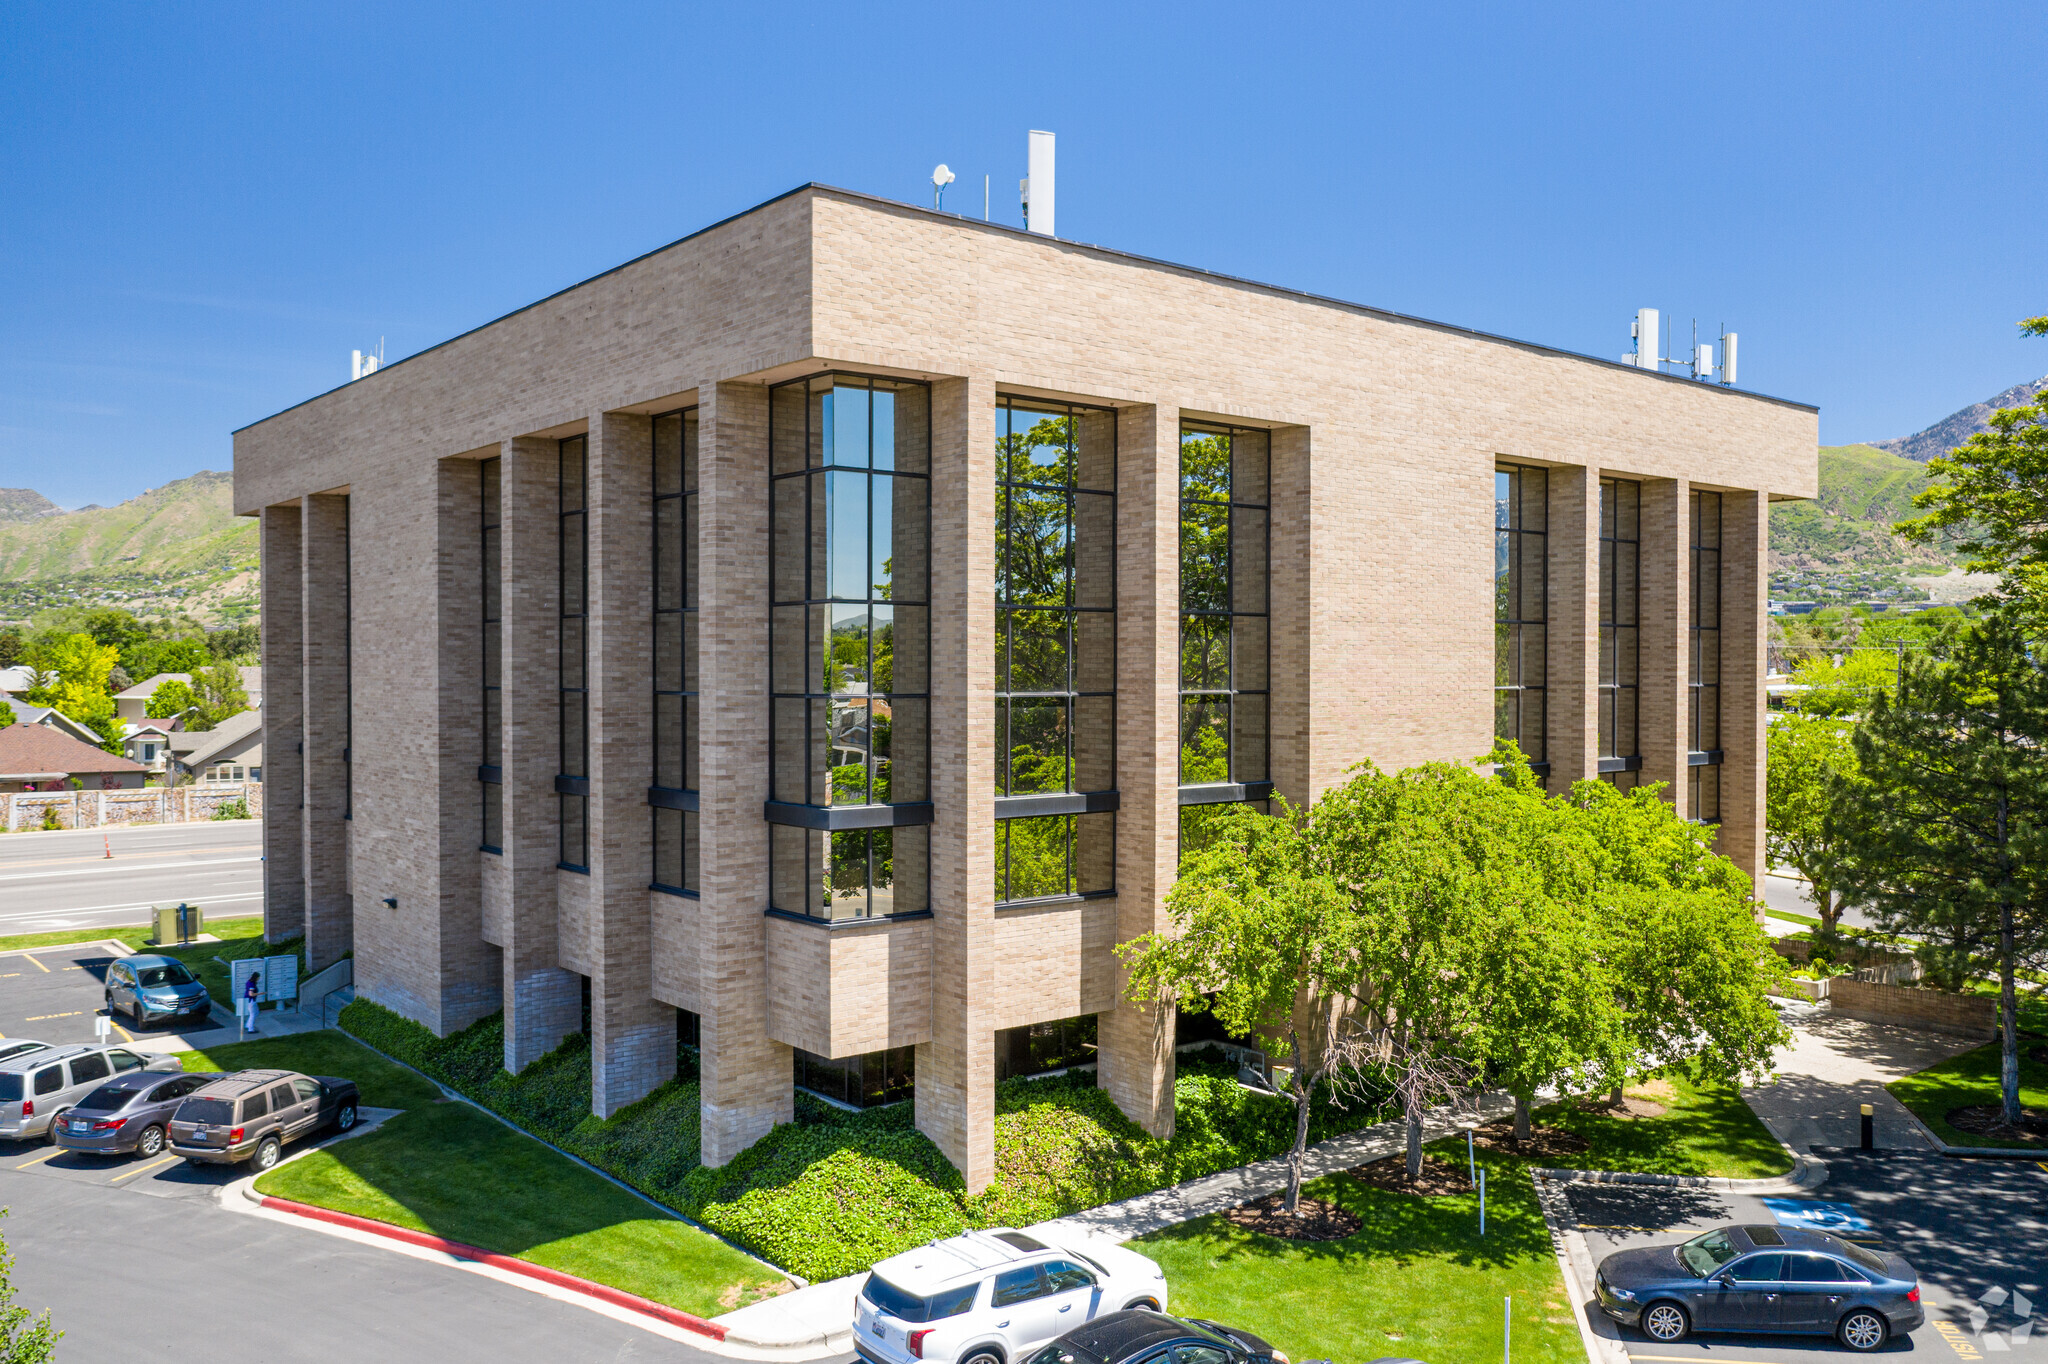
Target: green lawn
(1971, 1078)
(445, 1168)
(1417, 1269)
(1705, 1130)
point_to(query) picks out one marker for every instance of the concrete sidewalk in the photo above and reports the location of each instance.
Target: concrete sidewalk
(821, 1316)
(1833, 1067)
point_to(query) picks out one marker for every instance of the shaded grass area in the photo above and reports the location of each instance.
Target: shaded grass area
(833, 1192)
(1417, 1279)
(1960, 1081)
(442, 1167)
(1706, 1129)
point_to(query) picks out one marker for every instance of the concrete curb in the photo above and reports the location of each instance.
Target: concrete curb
(1597, 1332)
(510, 1264)
(1807, 1172)
(1965, 1152)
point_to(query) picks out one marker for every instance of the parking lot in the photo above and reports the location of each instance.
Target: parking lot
(53, 994)
(1976, 1230)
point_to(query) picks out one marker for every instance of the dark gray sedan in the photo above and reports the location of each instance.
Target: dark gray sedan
(125, 1115)
(1769, 1279)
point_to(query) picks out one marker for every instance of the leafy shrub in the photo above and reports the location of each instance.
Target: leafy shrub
(233, 809)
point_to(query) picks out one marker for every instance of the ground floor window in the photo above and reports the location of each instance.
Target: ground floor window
(1041, 1047)
(866, 1081)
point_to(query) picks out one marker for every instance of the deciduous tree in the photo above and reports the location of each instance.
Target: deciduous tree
(1805, 828)
(25, 1337)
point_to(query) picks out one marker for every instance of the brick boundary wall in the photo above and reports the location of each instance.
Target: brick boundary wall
(24, 810)
(1896, 966)
(1902, 1006)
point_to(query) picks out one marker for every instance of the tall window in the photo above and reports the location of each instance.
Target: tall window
(1055, 740)
(1223, 625)
(850, 646)
(1704, 772)
(1521, 596)
(572, 535)
(491, 611)
(674, 793)
(1620, 599)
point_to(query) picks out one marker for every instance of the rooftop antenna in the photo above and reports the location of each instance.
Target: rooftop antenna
(984, 198)
(942, 176)
(362, 364)
(1037, 186)
(1727, 357)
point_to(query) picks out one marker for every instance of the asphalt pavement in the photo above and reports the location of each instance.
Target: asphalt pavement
(1976, 1230)
(64, 879)
(1789, 895)
(53, 994)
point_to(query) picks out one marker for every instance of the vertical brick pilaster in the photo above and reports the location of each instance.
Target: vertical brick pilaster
(633, 1035)
(1292, 658)
(1666, 616)
(1745, 608)
(1572, 651)
(955, 1101)
(543, 1003)
(1135, 1043)
(324, 672)
(747, 1084)
(284, 827)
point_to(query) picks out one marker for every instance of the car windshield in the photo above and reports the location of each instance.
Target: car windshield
(1871, 1262)
(107, 1098)
(10, 1089)
(1705, 1254)
(172, 973)
(884, 1296)
(1057, 1353)
(218, 1111)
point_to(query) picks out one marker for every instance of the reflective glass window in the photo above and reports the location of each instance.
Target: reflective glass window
(1521, 589)
(674, 598)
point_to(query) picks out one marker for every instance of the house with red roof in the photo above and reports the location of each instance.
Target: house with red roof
(39, 758)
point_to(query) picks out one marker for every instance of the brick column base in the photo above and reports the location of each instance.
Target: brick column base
(541, 1008)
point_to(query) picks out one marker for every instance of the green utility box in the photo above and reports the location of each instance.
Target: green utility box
(177, 925)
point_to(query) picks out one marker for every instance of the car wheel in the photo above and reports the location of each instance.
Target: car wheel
(1863, 1330)
(346, 1118)
(266, 1154)
(50, 1132)
(981, 1354)
(1666, 1321)
(1141, 1305)
(150, 1143)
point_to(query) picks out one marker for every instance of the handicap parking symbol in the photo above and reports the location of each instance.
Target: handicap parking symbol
(1840, 1218)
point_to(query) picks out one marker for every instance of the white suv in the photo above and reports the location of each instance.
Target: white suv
(988, 1297)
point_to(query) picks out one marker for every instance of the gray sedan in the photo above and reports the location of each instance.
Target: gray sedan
(125, 1115)
(1768, 1279)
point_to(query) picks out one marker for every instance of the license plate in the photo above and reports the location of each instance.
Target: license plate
(199, 1134)
(77, 1126)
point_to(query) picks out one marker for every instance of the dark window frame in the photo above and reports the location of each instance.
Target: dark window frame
(1234, 507)
(677, 803)
(491, 659)
(1705, 714)
(572, 788)
(1512, 622)
(1621, 604)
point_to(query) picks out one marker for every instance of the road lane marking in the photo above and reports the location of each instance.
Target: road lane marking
(146, 866)
(53, 1151)
(121, 1030)
(44, 1018)
(54, 915)
(39, 966)
(140, 1169)
(88, 859)
(1957, 1338)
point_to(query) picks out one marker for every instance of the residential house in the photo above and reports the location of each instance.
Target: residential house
(44, 758)
(231, 752)
(50, 717)
(132, 705)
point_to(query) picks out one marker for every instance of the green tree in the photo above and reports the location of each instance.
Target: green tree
(1262, 938)
(75, 672)
(219, 693)
(12, 646)
(25, 1338)
(1953, 838)
(1804, 824)
(172, 698)
(1843, 681)
(6, 714)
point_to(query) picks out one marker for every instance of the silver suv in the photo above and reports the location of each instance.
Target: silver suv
(39, 1086)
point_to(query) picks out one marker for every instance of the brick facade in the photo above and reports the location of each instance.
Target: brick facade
(1384, 432)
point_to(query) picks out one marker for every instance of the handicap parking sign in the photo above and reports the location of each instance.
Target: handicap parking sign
(1839, 1218)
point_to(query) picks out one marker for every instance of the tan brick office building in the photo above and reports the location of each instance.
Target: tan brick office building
(809, 636)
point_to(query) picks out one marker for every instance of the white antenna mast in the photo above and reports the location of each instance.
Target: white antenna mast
(1036, 188)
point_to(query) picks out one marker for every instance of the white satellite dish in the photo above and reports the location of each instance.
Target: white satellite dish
(942, 176)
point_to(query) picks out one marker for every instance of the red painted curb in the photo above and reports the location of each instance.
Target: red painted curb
(616, 1297)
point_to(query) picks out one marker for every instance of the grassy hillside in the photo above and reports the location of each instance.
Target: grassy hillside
(1863, 490)
(176, 548)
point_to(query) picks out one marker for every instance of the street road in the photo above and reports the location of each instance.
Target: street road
(1786, 894)
(65, 879)
(128, 1275)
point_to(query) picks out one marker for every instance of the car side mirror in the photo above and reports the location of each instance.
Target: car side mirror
(1725, 1280)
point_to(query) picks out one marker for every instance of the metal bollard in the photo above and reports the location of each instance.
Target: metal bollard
(1869, 1128)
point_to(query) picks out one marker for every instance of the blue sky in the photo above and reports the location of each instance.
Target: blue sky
(207, 206)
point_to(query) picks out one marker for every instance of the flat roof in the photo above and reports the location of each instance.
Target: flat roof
(1235, 281)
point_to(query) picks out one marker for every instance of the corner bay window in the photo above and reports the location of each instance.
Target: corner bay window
(1520, 608)
(572, 779)
(849, 646)
(1703, 772)
(1620, 757)
(673, 793)
(1055, 653)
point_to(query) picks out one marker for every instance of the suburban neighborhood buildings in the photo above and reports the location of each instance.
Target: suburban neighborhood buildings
(45, 758)
(812, 638)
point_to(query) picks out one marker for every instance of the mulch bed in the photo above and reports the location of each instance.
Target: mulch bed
(1985, 1120)
(1314, 1219)
(1631, 1107)
(1542, 1143)
(1438, 1178)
